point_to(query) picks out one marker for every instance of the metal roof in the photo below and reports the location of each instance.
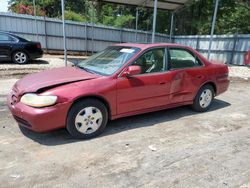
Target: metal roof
(162, 4)
(145, 46)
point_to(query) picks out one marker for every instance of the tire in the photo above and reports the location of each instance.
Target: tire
(203, 99)
(20, 57)
(87, 118)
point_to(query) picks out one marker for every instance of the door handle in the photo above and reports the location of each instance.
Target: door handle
(199, 76)
(161, 83)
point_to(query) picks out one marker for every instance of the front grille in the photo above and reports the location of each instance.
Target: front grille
(22, 122)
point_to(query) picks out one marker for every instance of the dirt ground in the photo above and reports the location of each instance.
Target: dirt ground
(169, 148)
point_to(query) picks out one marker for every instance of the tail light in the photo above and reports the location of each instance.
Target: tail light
(38, 45)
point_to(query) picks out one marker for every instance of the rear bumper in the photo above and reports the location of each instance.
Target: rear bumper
(222, 85)
(39, 119)
(37, 54)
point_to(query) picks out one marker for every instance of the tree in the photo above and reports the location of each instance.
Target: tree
(233, 17)
(195, 18)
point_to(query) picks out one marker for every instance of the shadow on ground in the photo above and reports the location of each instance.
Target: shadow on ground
(59, 137)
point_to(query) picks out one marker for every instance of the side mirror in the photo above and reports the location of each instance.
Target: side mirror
(132, 70)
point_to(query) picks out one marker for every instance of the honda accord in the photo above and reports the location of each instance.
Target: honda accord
(122, 80)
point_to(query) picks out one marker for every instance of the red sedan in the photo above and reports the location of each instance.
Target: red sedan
(122, 80)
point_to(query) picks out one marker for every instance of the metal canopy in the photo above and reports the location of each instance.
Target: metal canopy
(171, 5)
(162, 4)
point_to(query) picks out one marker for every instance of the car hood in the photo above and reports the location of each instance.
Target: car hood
(52, 78)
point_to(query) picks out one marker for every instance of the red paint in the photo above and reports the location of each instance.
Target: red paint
(247, 58)
(38, 45)
(124, 95)
(132, 70)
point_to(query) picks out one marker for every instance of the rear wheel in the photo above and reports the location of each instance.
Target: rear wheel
(20, 57)
(87, 119)
(203, 99)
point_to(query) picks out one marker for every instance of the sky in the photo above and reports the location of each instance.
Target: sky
(3, 5)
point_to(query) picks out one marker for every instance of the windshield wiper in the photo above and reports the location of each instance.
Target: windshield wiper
(87, 70)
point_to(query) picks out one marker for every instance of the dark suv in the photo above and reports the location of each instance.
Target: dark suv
(17, 49)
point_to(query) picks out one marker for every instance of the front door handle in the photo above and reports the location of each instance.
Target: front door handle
(161, 83)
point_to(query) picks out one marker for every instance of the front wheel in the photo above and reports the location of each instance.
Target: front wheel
(203, 99)
(20, 57)
(87, 118)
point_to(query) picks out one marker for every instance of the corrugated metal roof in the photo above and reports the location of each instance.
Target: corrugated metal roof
(162, 4)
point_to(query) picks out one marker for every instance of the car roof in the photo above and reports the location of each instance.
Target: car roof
(145, 46)
(9, 33)
(6, 32)
(14, 35)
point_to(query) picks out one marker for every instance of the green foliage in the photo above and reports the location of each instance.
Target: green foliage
(123, 20)
(108, 20)
(233, 15)
(70, 15)
(118, 16)
(107, 15)
(234, 18)
(91, 12)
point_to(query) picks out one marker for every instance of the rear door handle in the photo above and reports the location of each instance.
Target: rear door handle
(199, 76)
(161, 83)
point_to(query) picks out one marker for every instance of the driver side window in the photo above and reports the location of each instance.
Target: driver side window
(152, 61)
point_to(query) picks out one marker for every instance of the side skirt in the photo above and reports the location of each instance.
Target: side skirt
(151, 110)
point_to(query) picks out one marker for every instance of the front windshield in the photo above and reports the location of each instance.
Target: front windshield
(109, 60)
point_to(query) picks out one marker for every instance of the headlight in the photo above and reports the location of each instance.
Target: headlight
(35, 100)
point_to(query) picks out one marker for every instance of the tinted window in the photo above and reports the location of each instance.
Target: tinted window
(181, 58)
(4, 37)
(152, 61)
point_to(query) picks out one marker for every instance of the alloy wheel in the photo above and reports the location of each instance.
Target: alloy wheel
(20, 57)
(88, 120)
(205, 98)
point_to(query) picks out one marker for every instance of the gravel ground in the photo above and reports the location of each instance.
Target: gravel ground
(241, 72)
(10, 70)
(170, 148)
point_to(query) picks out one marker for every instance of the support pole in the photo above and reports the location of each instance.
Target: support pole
(171, 27)
(212, 28)
(64, 34)
(45, 28)
(45, 33)
(233, 49)
(136, 24)
(92, 28)
(154, 21)
(86, 30)
(34, 8)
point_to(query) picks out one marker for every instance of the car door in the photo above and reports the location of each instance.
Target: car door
(6, 43)
(187, 72)
(148, 89)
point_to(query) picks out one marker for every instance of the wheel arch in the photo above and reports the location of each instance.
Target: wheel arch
(20, 49)
(212, 84)
(96, 97)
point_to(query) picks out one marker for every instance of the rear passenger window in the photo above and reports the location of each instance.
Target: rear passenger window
(181, 58)
(4, 37)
